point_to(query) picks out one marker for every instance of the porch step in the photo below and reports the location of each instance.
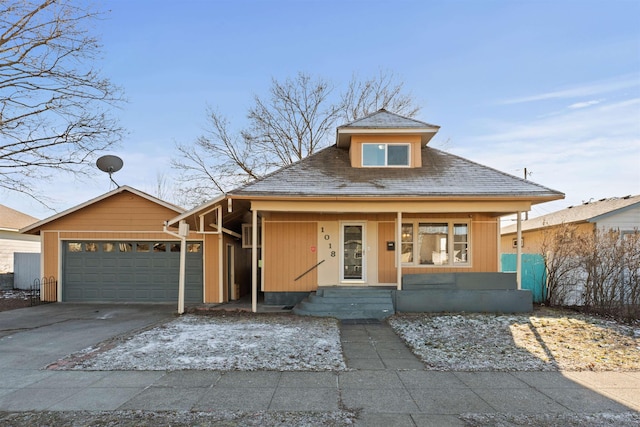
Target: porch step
(347, 303)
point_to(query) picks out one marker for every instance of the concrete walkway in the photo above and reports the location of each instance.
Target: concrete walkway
(387, 382)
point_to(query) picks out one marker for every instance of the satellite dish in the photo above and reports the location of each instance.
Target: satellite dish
(110, 164)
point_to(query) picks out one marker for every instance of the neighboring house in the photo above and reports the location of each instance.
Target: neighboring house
(11, 240)
(615, 213)
(379, 209)
(114, 248)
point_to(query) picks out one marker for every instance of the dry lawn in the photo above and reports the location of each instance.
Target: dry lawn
(547, 340)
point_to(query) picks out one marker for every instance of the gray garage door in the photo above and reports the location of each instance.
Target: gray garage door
(131, 271)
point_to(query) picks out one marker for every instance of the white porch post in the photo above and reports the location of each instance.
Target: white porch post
(519, 252)
(183, 231)
(254, 261)
(399, 252)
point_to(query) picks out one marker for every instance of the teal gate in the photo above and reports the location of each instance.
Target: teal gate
(534, 276)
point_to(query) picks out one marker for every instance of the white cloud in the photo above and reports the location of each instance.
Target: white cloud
(584, 104)
(589, 89)
(583, 152)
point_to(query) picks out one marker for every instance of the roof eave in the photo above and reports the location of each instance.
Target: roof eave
(343, 135)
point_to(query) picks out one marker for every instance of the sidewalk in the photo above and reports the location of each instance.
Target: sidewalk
(387, 382)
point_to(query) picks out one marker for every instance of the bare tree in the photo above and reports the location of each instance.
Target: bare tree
(54, 106)
(363, 97)
(294, 121)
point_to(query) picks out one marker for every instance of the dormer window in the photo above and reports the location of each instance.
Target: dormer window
(385, 155)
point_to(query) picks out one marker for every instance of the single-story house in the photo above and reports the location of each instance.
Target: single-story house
(11, 240)
(379, 210)
(615, 213)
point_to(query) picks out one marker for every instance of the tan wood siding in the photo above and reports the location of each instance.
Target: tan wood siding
(50, 247)
(211, 272)
(386, 259)
(288, 254)
(122, 211)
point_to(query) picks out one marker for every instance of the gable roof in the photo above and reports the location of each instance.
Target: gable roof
(39, 224)
(13, 220)
(328, 173)
(586, 212)
(381, 122)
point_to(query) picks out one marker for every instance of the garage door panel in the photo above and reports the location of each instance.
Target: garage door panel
(117, 275)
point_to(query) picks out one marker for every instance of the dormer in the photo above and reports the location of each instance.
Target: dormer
(385, 139)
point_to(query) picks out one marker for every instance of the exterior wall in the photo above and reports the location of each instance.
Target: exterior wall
(534, 239)
(211, 270)
(297, 242)
(355, 151)
(11, 242)
(627, 220)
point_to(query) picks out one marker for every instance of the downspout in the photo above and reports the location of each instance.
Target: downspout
(519, 252)
(399, 252)
(183, 232)
(254, 261)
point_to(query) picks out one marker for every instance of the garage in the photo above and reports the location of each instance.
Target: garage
(129, 271)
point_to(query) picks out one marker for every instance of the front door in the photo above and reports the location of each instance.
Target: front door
(353, 256)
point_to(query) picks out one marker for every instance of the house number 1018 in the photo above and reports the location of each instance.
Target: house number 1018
(327, 237)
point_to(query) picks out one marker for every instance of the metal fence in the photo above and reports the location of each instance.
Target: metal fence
(44, 290)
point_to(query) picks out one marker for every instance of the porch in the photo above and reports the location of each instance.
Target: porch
(421, 293)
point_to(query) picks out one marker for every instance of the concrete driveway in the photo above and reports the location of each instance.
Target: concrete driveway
(33, 337)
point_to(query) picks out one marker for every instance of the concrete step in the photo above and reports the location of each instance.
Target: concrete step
(343, 307)
(347, 303)
(375, 299)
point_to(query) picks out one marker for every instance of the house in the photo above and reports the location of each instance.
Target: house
(115, 248)
(380, 209)
(615, 213)
(11, 241)
(379, 216)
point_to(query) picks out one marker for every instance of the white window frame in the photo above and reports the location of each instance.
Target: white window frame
(363, 254)
(415, 222)
(386, 155)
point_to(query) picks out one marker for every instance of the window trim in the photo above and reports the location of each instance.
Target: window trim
(386, 154)
(451, 223)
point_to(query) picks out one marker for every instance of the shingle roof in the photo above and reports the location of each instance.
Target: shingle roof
(573, 214)
(387, 120)
(11, 219)
(328, 173)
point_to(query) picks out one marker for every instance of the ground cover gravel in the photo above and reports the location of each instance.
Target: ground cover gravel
(547, 340)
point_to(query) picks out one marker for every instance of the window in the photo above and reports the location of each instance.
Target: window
(74, 247)
(108, 247)
(441, 243)
(91, 247)
(247, 230)
(385, 155)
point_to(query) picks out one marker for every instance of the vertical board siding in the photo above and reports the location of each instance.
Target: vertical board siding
(122, 211)
(288, 254)
(51, 248)
(386, 259)
(211, 262)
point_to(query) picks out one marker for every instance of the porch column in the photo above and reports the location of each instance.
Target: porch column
(399, 252)
(254, 261)
(519, 251)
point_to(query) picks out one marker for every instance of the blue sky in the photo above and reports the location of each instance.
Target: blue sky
(553, 86)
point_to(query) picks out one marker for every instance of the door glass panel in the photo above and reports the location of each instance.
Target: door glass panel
(353, 252)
